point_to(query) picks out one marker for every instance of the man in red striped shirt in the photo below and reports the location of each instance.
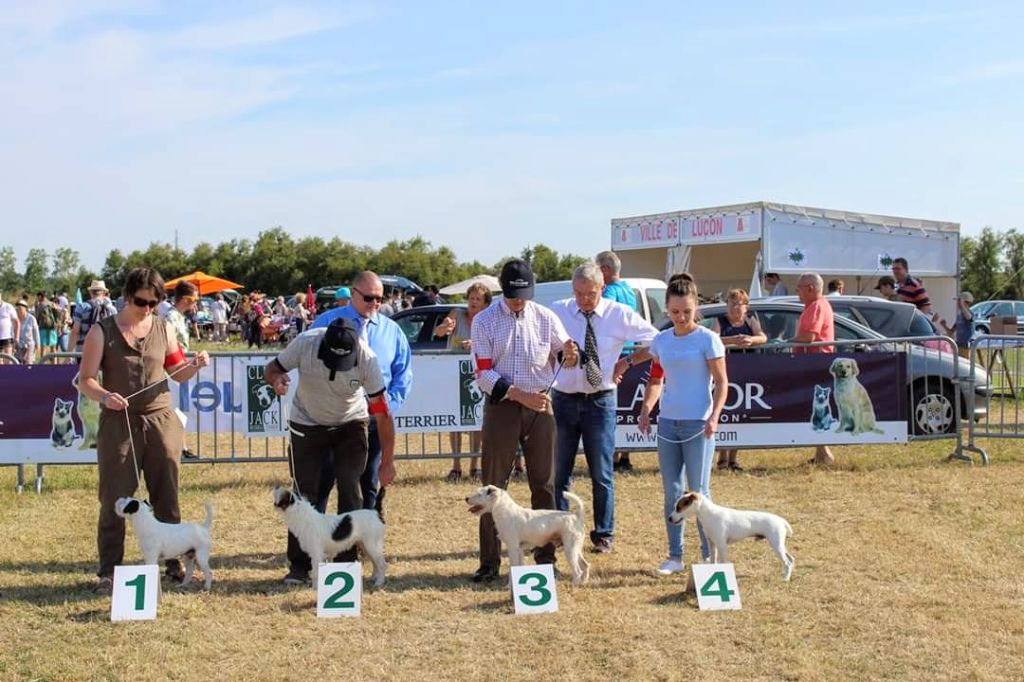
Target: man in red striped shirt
(910, 289)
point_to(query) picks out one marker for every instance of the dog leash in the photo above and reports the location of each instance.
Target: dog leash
(128, 423)
(285, 409)
(685, 440)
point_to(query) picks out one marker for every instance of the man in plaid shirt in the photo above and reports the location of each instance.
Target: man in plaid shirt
(516, 345)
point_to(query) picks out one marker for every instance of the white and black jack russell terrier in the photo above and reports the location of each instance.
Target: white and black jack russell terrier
(325, 535)
(159, 541)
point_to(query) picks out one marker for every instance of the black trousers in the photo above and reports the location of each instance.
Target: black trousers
(346, 447)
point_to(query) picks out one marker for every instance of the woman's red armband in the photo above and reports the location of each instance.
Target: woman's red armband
(657, 371)
(174, 359)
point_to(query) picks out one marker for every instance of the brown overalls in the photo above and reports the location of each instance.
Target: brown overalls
(156, 430)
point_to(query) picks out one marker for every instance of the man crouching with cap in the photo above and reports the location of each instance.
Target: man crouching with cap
(517, 344)
(340, 386)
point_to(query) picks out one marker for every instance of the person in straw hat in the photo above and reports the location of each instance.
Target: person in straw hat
(89, 313)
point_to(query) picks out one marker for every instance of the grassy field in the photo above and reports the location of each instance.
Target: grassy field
(907, 569)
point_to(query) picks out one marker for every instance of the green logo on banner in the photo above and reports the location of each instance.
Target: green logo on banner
(471, 398)
(264, 406)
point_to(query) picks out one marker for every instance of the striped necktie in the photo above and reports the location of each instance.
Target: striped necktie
(593, 365)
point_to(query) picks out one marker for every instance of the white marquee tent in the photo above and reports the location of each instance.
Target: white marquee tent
(728, 246)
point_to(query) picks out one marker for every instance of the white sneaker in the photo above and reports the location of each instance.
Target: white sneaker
(670, 566)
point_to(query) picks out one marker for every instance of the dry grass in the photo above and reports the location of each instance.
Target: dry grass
(907, 569)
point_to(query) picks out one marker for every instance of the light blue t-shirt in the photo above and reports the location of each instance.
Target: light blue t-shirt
(685, 360)
(621, 292)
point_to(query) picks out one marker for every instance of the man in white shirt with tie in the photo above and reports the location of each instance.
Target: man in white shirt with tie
(584, 398)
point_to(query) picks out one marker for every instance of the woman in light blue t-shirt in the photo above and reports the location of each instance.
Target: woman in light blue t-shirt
(691, 359)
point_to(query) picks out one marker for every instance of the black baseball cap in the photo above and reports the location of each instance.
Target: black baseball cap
(340, 345)
(517, 280)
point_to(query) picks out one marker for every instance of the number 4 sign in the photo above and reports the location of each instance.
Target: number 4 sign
(339, 591)
(135, 592)
(716, 585)
(533, 589)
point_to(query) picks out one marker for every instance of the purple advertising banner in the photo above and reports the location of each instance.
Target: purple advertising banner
(40, 416)
(793, 399)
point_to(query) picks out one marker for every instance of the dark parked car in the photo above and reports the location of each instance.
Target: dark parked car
(891, 319)
(930, 374)
(418, 325)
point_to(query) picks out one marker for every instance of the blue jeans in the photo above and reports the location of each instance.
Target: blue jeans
(592, 418)
(691, 458)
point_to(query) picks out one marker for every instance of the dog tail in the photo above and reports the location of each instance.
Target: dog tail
(789, 529)
(579, 508)
(209, 515)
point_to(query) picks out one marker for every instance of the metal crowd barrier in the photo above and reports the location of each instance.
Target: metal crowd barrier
(942, 390)
(227, 445)
(999, 357)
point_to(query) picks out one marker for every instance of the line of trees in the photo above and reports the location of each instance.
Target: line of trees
(274, 262)
(992, 264)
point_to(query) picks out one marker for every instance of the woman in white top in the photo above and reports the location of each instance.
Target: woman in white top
(28, 336)
(691, 360)
(456, 326)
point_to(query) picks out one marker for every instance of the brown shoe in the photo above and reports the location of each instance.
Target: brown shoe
(105, 585)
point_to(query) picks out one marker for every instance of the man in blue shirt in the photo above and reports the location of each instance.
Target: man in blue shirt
(616, 289)
(388, 342)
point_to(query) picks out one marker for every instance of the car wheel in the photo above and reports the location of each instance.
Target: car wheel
(932, 410)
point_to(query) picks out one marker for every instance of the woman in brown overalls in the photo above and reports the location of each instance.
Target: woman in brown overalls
(135, 349)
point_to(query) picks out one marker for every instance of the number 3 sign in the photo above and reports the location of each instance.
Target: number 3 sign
(533, 589)
(716, 587)
(340, 590)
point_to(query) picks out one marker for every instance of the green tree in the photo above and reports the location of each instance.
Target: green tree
(10, 280)
(66, 262)
(547, 265)
(274, 263)
(36, 270)
(980, 265)
(115, 270)
(1013, 250)
(205, 258)
(162, 257)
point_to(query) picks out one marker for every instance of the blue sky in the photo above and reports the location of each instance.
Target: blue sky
(488, 127)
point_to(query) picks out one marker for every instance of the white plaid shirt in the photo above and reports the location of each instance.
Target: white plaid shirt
(517, 347)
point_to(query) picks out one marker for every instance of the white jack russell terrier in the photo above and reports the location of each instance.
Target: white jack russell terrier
(522, 529)
(723, 525)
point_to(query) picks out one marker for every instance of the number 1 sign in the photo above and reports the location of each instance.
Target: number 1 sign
(340, 590)
(135, 592)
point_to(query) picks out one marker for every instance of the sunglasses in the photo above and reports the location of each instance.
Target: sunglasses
(145, 302)
(367, 298)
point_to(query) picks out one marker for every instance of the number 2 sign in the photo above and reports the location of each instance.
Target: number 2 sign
(716, 585)
(533, 589)
(339, 591)
(134, 595)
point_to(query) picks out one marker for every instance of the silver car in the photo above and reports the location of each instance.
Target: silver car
(931, 374)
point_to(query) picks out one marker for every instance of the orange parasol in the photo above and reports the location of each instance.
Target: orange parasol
(207, 284)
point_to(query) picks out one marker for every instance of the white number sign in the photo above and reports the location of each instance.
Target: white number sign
(533, 589)
(339, 591)
(135, 590)
(716, 585)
